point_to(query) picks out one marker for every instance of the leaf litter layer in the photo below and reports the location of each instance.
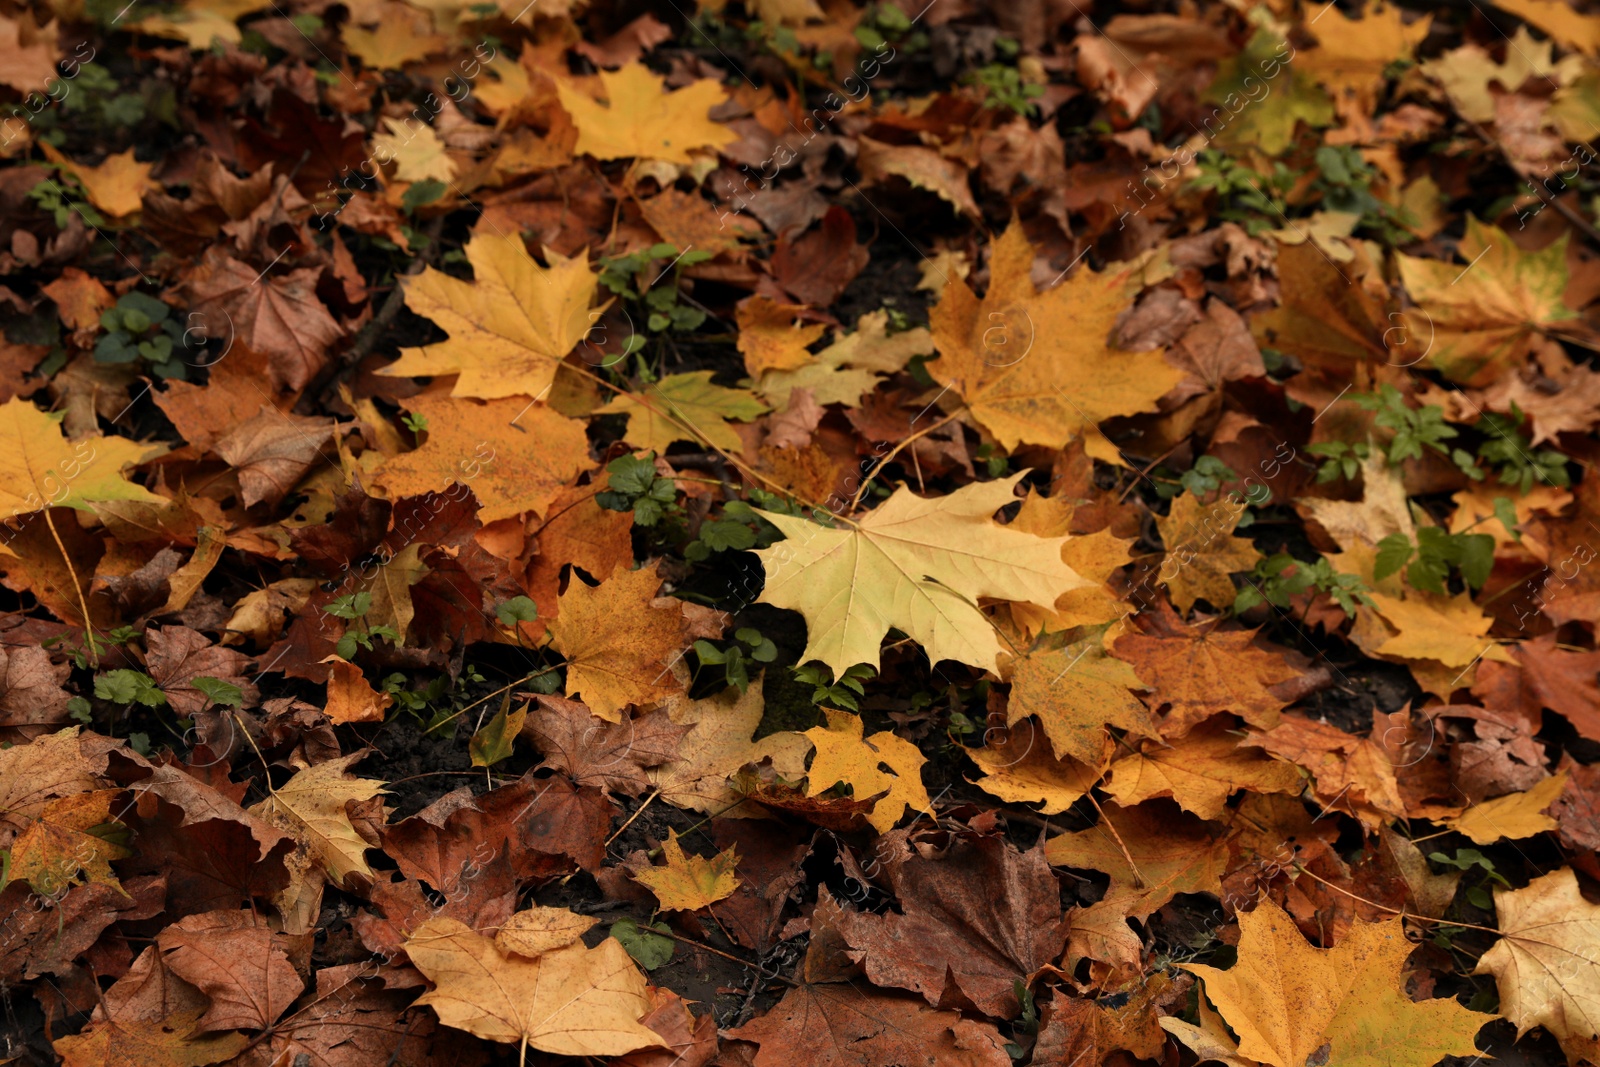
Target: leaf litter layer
(799, 532)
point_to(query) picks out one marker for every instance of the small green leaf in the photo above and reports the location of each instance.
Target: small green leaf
(517, 609)
(648, 948)
(217, 691)
(125, 686)
(496, 740)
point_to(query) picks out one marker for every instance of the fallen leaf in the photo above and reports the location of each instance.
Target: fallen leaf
(1076, 692)
(689, 883)
(643, 120)
(42, 469)
(1202, 671)
(418, 154)
(915, 564)
(1485, 317)
(1038, 368)
(619, 648)
(844, 756)
(272, 451)
(571, 1001)
(1202, 551)
(1200, 771)
(239, 962)
(116, 185)
(717, 745)
(534, 931)
(769, 337)
(980, 916)
(1545, 963)
(684, 407)
(350, 697)
(311, 807)
(509, 328)
(1511, 817)
(612, 756)
(1172, 853)
(1286, 998)
(71, 842)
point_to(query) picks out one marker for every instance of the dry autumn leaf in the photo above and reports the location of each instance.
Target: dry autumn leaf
(572, 1001)
(1286, 998)
(509, 328)
(689, 883)
(619, 647)
(912, 563)
(844, 756)
(1039, 368)
(642, 119)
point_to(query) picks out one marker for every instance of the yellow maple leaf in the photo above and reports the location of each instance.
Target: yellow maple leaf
(1485, 314)
(851, 366)
(1286, 998)
(770, 338)
(514, 456)
(1547, 962)
(1449, 629)
(509, 328)
(689, 883)
(916, 564)
(844, 756)
(116, 185)
(619, 648)
(1202, 551)
(571, 1001)
(1076, 692)
(1559, 20)
(1200, 771)
(717, 745)
(1038, 368)
(1511, 817)
(39, 468)
(73, 841)
(396, 41)
(311, 807)
(417, 152)
(644, 120)
(684, 407)
(536, 930)
(200, 22)
(1022, 770)
(1352, 54)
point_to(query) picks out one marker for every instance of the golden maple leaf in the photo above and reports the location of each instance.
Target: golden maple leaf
(717, 745)
(1172, 853)
(619, 648)
(1547, 962)
(310, 807)
(1559, 20)
(1076, 692)
(39, 468)
(418, 154)
(644, 120)
(509, 328)
(572, 1001)
(1513, 816)
(684, 407)
(1202, 551)
(515, 457)
(73, 841)
(916, 564)
(1200, 771)
(1485, 315)
(770, 338)
(1286, 998)
(116, 185)
(689, 883)
(844, 756)
(536, 930)
(1022, 769)
(1039, 368)
(1352, 54)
